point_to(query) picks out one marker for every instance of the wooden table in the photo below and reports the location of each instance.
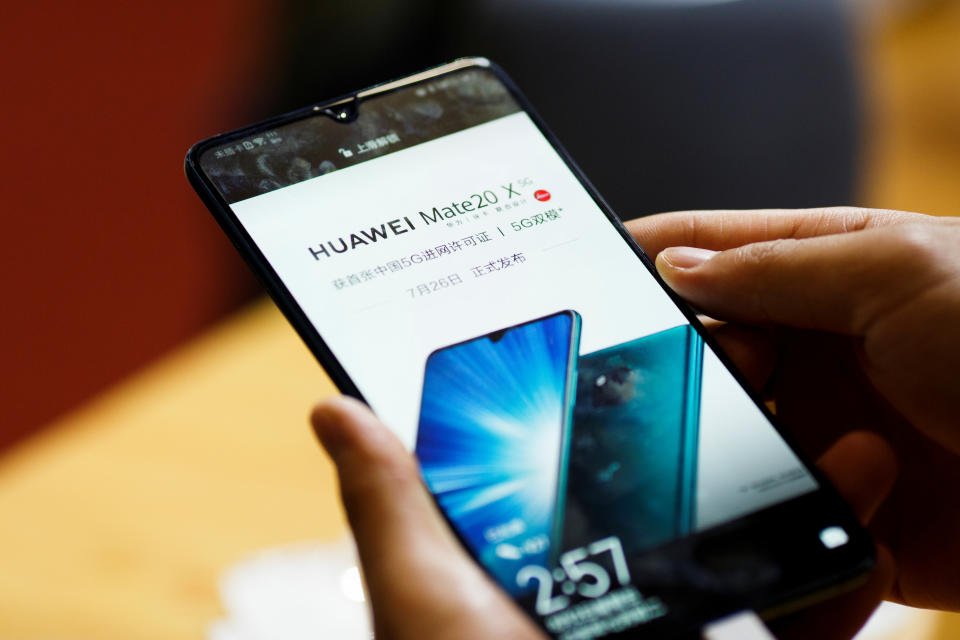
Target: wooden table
(117, 522)
(120, 519)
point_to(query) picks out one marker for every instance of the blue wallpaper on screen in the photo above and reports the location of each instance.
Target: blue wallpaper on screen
(490, 440)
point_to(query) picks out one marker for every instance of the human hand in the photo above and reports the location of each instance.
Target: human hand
(422, 584)
(847, 319)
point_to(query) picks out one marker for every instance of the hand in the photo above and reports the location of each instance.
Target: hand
(422, 584)
(847, 319)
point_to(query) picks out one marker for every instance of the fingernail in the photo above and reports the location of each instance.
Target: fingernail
(685, 257)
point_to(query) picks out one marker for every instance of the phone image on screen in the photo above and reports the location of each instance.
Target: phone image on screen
(421, 236)
(633, 452)
(494, 436)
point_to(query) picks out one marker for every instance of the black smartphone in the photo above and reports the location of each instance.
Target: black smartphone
(432, 210)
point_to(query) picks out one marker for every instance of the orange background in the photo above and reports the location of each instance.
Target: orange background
(108, 257)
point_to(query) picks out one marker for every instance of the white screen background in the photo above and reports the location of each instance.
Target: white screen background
(382, 336)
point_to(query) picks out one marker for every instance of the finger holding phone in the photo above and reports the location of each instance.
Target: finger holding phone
(864, 306)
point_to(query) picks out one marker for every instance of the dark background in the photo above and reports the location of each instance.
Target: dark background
(748, 104)
(109, 260)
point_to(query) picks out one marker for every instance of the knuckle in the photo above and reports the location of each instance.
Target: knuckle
(915, 237)
(692, 229)
(757, 263)
(762, 254)
(849, 218)
(919, 245)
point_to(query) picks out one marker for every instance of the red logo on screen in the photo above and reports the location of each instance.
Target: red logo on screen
(542, 195)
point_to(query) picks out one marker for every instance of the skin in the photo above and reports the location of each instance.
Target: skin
(844, 318)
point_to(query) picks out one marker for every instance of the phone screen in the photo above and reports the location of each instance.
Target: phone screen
(633, 461)
(443, 214)
(493, 440)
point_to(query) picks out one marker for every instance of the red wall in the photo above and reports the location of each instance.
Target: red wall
(108, 259)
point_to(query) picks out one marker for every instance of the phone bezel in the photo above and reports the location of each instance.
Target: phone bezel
(782, 599)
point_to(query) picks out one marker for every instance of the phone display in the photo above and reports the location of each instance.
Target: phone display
(448, 264)
(633, 459)
(493, 440)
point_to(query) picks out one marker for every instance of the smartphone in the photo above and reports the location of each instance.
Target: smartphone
(429, 210)
(493, 439)
(633, 455)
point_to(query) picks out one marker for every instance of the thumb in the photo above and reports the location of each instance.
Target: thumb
(401, 537)
(839, 283)
(386, 503)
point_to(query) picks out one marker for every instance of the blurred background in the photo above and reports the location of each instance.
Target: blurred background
(152, 406)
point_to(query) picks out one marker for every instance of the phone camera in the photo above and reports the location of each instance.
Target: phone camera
(344, 112)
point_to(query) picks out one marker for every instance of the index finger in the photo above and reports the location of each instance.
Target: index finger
(721, 230)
